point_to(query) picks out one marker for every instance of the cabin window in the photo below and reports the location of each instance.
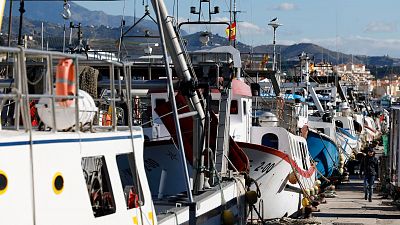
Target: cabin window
(160, 101)
(339, 123)
(270, 140)
(98, 185)
(234, 107)
(244, 108)
(129, 180)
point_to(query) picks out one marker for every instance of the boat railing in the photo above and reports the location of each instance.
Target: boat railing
(285, 111)
(257, 61)
(18, 92)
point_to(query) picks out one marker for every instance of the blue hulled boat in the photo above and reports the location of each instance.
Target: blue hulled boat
(324, 151)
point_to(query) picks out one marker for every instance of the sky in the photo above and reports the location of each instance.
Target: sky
(361, 27)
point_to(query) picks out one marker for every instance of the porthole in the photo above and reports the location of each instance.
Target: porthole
(3, 182)
(58, 183)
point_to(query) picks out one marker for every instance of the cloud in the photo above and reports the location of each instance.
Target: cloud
(250, 27)
(380, 27)
(285, 6)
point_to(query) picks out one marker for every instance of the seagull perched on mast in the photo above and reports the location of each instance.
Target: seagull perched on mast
(274, 19)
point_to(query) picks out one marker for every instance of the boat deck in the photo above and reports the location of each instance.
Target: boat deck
(350, 208)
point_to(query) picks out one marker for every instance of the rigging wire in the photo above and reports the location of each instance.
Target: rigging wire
(122, 28)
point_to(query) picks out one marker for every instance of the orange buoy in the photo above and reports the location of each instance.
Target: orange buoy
(65, 81)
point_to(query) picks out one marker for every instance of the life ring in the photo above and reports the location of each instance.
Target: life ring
(65, 81)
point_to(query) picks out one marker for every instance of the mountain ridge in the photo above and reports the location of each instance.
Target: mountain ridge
(98, 25)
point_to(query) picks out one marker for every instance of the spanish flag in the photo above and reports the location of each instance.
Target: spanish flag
(232, 34)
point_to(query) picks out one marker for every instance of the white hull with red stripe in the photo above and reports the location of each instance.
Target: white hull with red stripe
(271, 167)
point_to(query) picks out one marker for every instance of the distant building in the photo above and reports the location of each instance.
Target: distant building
(356, 74)
(389, 85)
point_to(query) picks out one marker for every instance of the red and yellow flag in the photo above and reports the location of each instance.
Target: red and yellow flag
(232, 34)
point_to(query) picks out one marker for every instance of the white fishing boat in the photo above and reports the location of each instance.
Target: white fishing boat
(178, 146)
(346, 132)
(60, 172)
(280, 163)
(275, 155)
(75, 169)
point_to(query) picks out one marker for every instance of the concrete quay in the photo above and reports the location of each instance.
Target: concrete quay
(350, 208)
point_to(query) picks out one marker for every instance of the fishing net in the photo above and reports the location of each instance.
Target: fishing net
(88, 80)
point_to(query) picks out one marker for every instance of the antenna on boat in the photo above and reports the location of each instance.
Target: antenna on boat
(66, 15)
(199, 12)
(125, 34)
(21, 17)
(233, 19)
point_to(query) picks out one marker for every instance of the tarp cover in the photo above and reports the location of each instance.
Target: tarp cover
(236, 155)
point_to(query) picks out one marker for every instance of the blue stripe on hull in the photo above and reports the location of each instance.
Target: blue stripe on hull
(324, 151)
(56, 141)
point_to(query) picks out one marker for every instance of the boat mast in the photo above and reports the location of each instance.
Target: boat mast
(21, 16)
(9, 24)
(174, 107)
(178, 58)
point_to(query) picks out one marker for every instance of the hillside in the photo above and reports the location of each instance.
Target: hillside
(102, 31)
(318, 53)
(50, 11)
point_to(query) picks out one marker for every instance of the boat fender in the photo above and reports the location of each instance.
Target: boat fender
(305, 202)
(249, 181)
(341, 157)
(312, 192)
(317, 183)
(251, 197)
(227, 217)
(292, 178)
(65, 81)
(341, 170)
(316, 189)
(307, 192)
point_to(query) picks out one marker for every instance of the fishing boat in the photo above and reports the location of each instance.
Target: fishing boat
(322, 141)
(85, 162)
(67, 169)
(325, 153)
(280, 162)
(179, 145)
(346, 132)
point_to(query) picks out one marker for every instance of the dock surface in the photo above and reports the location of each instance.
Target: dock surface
(350, 208)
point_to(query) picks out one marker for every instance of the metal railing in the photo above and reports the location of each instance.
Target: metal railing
(16, 63)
